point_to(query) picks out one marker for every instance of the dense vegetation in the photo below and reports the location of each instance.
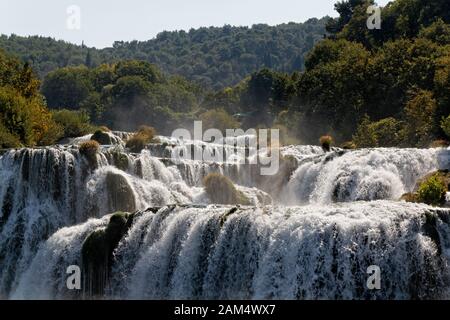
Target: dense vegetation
(385, 87)
(213, 57)
(393, 82)
(123, 95)
(24, 118)
(366, 88)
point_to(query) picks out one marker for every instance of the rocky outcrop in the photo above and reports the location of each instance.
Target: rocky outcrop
(255, 196)
(120, 194)
(106, 138)
(97, 252)
(221, 190)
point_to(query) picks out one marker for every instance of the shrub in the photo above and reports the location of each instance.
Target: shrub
(409, 197)
(432, 191)
(445, 125)
(382, 133)
(349, 145)
(365, 136)
(420, 111)
(54, 133)
(218, 119)
(8, 139)
(75, 123)
(89, 149)
(221, 190)
(387, 132)
(325, 142)
(439, 144)
(104, 129)
(24, 117)
(141, 138)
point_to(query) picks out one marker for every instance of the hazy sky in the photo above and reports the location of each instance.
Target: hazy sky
(104, 21)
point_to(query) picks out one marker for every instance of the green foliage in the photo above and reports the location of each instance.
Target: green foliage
(122, 95)
(218, 119)
(215, 57)
(419, 113)
(146, 71)
(8, 139)
(141, 138)
(365, 136)
(346, 11)
(266, 94)
(432, 191)
(348, 145)
(67, 87)
(383, 87)
(15, 116)
(221, 190)
(333, 92)
(382, 133)
(289, 123)
(24, 119)
(398, 76)
(445, 125)
(257, 100)
(74, 123)
(400, 19)
(438, 32)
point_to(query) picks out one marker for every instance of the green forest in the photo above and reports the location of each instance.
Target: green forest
(366, 88)
(214, 57)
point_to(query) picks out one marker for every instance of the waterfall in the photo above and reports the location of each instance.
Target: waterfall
(309, 252)
(332, 215)
(367, 174)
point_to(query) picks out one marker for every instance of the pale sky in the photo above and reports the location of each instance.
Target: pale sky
(104, 21)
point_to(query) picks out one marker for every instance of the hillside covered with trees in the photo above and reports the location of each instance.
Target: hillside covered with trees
(366, 88)
(387, 87)
(24, 118)
(214, 57)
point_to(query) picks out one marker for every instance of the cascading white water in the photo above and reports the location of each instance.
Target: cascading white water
(367, 174)
(312, 251)
(305, 252)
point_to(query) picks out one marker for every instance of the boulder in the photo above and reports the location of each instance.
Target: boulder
(120, 193)
(97, 252)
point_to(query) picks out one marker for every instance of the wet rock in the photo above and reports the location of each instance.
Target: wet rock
(221, 190)
(430, 229)
(97, 252)
(120, 194)
(102, 137)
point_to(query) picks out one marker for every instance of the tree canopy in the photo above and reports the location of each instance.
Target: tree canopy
(214, 57)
